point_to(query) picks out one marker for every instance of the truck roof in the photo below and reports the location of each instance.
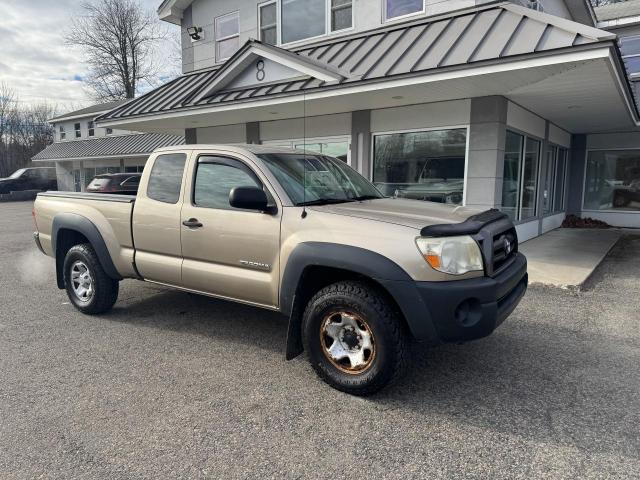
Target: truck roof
(240, 148)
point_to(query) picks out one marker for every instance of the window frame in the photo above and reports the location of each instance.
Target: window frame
(217, 40)
(77, 128)
(91, 128)
(62, 132)
(386, 19)
(327, 27)
(555, 209)
(584, 183)
(526, 136)
(228, 160)
(277, 24)
(467, 129)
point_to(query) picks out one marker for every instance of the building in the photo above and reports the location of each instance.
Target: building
(510, 105)
(82, 150)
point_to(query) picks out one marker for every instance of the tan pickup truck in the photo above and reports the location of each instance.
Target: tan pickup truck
(358, 275)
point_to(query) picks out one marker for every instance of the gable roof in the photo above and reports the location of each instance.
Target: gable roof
(84, 112)
(112, 146)
(481, 34)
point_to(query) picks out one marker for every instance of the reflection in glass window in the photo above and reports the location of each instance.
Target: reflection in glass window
(165, 180)
(336, 149)
(341, 14)
(227, 31)
(613, 180)
(269, 23)
(214, 182)
(302, 19)
(398, 8)
(530, 179)
(520, 176)
(561, 169)
(511, 176)
(421, 165)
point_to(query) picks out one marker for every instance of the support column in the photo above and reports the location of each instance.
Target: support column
(485, 162)
(190, 136)
(361, 142)
(577, 166)
(253, 132)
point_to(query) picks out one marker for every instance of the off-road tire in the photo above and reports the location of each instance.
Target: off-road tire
(105, 289)
(385, 322)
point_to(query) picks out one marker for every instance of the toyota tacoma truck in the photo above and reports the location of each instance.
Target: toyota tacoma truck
(359, 276)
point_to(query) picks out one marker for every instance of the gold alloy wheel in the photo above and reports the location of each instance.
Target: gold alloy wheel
(347, 341)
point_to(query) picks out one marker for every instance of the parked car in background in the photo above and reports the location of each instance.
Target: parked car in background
(124, 183)
(623, 195)
(36, 178)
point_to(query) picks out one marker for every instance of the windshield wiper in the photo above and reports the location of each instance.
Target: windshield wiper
(324, 201)
(366, 197)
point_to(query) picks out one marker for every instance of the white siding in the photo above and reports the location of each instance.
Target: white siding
(224, 134)
(428, 115)
(321, 126)
(525, 121)
(559, 136)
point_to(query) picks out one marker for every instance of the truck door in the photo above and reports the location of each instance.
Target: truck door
(228, 252)
(156, 219)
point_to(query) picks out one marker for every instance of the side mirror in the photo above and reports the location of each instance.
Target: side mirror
(249, 198)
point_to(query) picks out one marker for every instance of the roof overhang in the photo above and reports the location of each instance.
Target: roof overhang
(582, 89)
(172, 11)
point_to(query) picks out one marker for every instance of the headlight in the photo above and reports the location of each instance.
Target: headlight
(454, 255)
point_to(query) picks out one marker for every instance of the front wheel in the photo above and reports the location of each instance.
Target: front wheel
(355, 339)
(88, 286)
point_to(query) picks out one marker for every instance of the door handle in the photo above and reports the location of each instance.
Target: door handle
(192, 223)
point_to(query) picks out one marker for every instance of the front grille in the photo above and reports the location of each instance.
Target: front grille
(499, 244)
(504, 247)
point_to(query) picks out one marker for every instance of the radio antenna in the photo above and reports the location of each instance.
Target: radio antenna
(304, 162)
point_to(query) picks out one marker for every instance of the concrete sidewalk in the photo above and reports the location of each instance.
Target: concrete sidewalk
(566, 257)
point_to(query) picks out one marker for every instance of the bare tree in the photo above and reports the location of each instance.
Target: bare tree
(24, 130)
(600, 3)
(119, 38)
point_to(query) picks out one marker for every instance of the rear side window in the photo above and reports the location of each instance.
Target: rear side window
(214, 182)
(166, 178)
(98, 183)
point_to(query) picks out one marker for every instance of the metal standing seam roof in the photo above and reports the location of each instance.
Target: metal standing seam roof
(101, 107)
(138, 143)
(484, 33)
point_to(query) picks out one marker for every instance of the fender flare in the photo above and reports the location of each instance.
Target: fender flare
(84, 226)
(367, 263)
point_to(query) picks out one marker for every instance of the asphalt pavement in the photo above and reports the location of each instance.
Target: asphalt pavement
(173, 385)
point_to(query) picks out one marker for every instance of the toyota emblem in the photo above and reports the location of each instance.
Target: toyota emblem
(507, 246)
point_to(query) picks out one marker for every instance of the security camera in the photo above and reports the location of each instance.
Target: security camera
(195, 33)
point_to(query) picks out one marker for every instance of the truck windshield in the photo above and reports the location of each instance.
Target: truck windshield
(328, 180)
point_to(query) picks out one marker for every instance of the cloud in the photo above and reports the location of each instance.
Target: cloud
(34, 60)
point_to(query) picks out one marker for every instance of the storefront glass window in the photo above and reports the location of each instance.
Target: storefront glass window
(421, 165)
(337, 149)
(613, 180)
(520, 176)
(511, 177)
(530, 179)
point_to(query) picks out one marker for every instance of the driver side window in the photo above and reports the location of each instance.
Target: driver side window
(215, 180)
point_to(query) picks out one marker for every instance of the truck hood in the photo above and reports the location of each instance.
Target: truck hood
(401, 211)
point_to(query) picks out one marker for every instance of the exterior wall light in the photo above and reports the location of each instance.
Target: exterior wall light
(195, 33)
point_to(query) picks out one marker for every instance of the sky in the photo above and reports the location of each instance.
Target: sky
(34, 60)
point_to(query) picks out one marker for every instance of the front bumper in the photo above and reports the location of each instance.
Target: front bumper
(470, 309)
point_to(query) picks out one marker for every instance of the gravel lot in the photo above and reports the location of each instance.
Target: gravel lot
(171, 385)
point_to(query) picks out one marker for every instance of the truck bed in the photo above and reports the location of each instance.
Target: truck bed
(110, 213)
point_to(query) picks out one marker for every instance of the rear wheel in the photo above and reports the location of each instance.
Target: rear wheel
(355, 339)
(88, 287)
